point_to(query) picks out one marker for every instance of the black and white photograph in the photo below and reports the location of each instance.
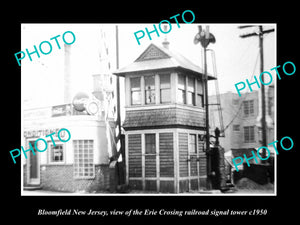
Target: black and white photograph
(171, 115)
(132, 115)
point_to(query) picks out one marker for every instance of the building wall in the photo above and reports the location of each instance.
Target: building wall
(60, 176)
(192, 165)
(151, 172)
(170, 115)
(228, 110)
(244, 120)
(80, 127)
(233, 107)
(172, 168)
(166, 154)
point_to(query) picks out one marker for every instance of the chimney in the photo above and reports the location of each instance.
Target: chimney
(165, 42)
(67, 75)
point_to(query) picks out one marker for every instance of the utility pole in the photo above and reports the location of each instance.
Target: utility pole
(260, 35)
(122, 148)
(208, 154)
(204, 37)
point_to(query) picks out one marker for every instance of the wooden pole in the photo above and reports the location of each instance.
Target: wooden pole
(263, 100)
(208, 155)
(260, 34)
(118, 84)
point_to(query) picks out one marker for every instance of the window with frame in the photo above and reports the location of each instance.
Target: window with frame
(192, 143)
(149, 89)
(236, 127)
(135, 88)
(165, 88)
(200, 101)
(84, 158)
(249, 135)
(56, 153)
(191, 91)
(181, 98)
(248, 107)
(150, 144)
(235, 101)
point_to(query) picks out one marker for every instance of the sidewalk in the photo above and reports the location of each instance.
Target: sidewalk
(45, 193)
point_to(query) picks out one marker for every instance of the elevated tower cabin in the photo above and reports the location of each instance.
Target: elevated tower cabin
(165, 122)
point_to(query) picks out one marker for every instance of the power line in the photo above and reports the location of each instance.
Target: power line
(260, 33)
(245, 95)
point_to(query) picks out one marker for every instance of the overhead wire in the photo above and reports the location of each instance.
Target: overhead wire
(213, 55)
(245, 95)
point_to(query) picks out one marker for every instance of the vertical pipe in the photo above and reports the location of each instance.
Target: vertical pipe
(67, 74)
(122, 147)
(208, 157)
(118, 86)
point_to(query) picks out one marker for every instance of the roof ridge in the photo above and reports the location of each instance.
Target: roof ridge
(175, 55)
(161, 58)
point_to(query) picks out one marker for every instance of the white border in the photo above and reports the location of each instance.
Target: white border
(163, 194)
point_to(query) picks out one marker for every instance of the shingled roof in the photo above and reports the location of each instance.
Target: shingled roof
(159, 58)
(164, 117)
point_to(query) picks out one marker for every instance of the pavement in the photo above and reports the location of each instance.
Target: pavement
(44, 192)
(255, 191)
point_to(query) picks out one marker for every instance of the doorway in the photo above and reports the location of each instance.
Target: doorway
(33, 169)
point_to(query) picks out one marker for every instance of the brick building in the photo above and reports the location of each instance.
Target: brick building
(164, 123)
(81, 164)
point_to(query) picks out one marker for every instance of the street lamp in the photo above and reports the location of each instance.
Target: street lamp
(205, 37)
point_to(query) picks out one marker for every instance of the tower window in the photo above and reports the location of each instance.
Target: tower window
(150, 89)
(165, 88)
(200, 101)
(181, 89)
(191, 91)
(135, 85)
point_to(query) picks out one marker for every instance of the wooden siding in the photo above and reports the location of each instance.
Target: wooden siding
(150, 185)
(184, 185)
(166, 155)
(193, 165)
(167, 186)
(135, 155)
(194, 184)
(202, 158)
(183, 154)
(172, 116)
(150, 165)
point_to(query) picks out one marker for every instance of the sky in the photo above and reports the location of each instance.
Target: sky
(42, 78)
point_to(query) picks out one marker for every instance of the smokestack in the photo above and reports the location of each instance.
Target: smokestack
(165, 42)
(67, 75)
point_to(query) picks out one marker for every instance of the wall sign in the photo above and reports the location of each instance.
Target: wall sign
(42, 132)
(79, 101)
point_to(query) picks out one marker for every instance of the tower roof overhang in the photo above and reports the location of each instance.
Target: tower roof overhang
(156, 58)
